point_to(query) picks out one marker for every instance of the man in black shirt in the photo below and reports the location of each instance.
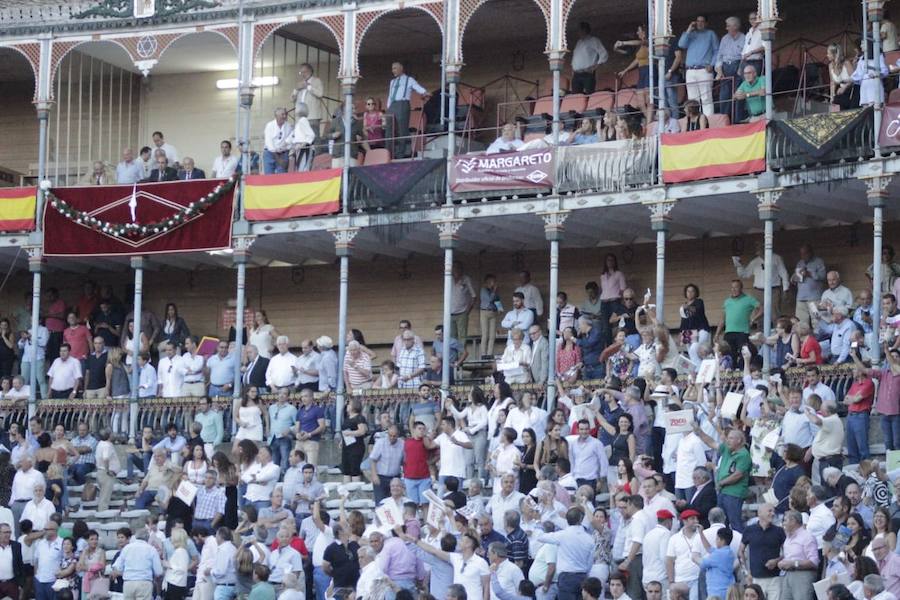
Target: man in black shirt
(95, 371)
(107, 323)
(453, 494)
(623, 316)
(763, 540)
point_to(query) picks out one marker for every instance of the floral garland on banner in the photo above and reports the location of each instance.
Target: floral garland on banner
(135, 230)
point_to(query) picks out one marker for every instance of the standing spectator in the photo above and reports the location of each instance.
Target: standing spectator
(623, 317)
(129, 170)
(732, 474)
(223, 572)
(462, 299)
(592, 307)
(64, 374)
(220, 369)
(174, 327)
(888, 402)
(531, 295)
(505, 575)
(170, 373)
(828, 444)
(701, 46)
(262, 334)
(282, 367)
(718, 565)
(590, 341)
(328, 364)
(108, 466)
(588, 457)
(612, 288)
(566, 313)
(799, 559)
(353, 446)
(47, 559)
(177, 566)
(458, 352)
(416, 475)
(309, 92)
(728, 63)
(410, 361)
(385, 461)
(357, 368)
(809, 275)
(756, 269)
(489, 307)
(837, 295)
(540, 355)
(588, 54)
(226, 163)
(41, 339)
(575, 555)
(870, 74)
(682, 546)
(277, 134)
(138, 565)
(77, 335)
(694, 324)
(656, 542)
(739, 311)
(95, 371)
(212, 430)
(890, 270)
(310, 426)
(398, 108)
(520, 317)
(517, 353)
(281, 419)
(859, 399)
(55, 321)
(753, 51)
(761, 550)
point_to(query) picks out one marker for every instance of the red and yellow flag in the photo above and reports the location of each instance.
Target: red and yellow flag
(17, 208)
(708, 153)
(292, 195)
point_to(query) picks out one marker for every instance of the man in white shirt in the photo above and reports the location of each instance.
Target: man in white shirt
(814, 385)
(755, 269)
(129, 171)
(518, 318)
(638, 525)
(193, 363)
(399, 93)
(752, 53)
(309, 91)
(717, 522)
(820, 516)
(452, 443)
(369, 573)
(226, 163)
(64, 374)
(284, 559)
(508, 575)
(589, 53)
(108, 466)
(307, 367)
(656, 542)
(507, 141)
(170, 373)
(504, 499)
(689, 454)
(282, 366)
(828, 444)
(795, 427)
(680, 565)
(147, 382)
(836, 295)
(587, 456)
(462, 300)
(531, 293)
(160, 143)
(278, 140)
(261, 478)
(25, 479)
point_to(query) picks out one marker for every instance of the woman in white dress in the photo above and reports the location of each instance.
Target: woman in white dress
(263, 334)
(869, 75)
(196, 465)
(248, 418)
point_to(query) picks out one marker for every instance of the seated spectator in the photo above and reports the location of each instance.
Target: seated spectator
(585, 133)
(753, 91)
(507, 142)
(373, 124)
(517, 353)
(160, 475)
(388, 378)
(302, 152)
(226, 163)
(129, 170)
(435, 370)
(837, 346)
(162, 172)
(695, 119)
(277, 135)
(336, 134)
(606, 125)
(189, 171)
(99, 175)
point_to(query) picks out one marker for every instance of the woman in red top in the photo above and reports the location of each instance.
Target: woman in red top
(810, 350)
(859, 400)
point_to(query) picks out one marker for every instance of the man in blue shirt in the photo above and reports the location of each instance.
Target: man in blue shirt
(701, 47)
(591, 343)
(138, 564)
(281, 421)
(220, 369)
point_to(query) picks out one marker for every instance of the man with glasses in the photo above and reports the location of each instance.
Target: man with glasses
(888, 565)
(47, 557)
(170, 373)
(220, 371)
(398, 340)
(410, 361)
(309, 91)
(623, 317)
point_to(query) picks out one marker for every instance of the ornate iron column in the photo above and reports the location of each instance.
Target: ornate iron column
(554, 229)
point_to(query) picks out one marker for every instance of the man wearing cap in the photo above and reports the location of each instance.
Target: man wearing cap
(761, 551)
(680, 565)
(656, 542)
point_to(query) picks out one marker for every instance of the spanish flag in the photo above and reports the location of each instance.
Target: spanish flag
(708, 153)
(17, 207)
(292, 195)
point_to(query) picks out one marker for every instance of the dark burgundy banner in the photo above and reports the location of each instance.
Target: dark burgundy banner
(209, 229)
(509, 171)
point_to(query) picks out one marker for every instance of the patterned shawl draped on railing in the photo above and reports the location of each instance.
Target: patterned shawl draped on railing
(607, 166)
(157, 412)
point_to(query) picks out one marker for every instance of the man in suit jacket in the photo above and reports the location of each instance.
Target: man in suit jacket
(540, 354)
(189, 171)
(254, 372)
(162, 172)
(703, 499)
(99, 175)
(12, 569)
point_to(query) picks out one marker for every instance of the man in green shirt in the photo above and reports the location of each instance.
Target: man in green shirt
(753, 91)
(738, 312)
(732, 475)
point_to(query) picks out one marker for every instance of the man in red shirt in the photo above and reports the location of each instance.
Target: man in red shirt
(78, 336)
(859, 404)
(55, 323)
(88, 301)
(416, 475)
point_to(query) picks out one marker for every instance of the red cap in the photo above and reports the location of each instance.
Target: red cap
(685, 514)
(664, 514)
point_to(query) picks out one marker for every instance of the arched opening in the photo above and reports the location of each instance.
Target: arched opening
(97, 110)
(279, 59)
(511, 67)
(18, 120)
(183, 97)
(412, 37)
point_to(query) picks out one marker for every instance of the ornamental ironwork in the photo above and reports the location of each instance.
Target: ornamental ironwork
(142, 9)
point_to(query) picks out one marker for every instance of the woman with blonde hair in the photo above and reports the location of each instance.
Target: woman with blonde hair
(842, 90)
(177, 566)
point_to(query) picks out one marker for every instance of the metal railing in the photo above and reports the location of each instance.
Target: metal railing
(158, 412)
(782, 152)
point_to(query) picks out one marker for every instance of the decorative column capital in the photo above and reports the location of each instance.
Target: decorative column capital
(35, 258)
(875, 9)
(877, 189)
(557, 59)
(661, 43)
(659, 215)
(343, 240)
(554, 224)
(448, 230)
(348, 84)
(139, 262)
(43, 108)
(240, 244)
(767, 203)
(453, 69)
